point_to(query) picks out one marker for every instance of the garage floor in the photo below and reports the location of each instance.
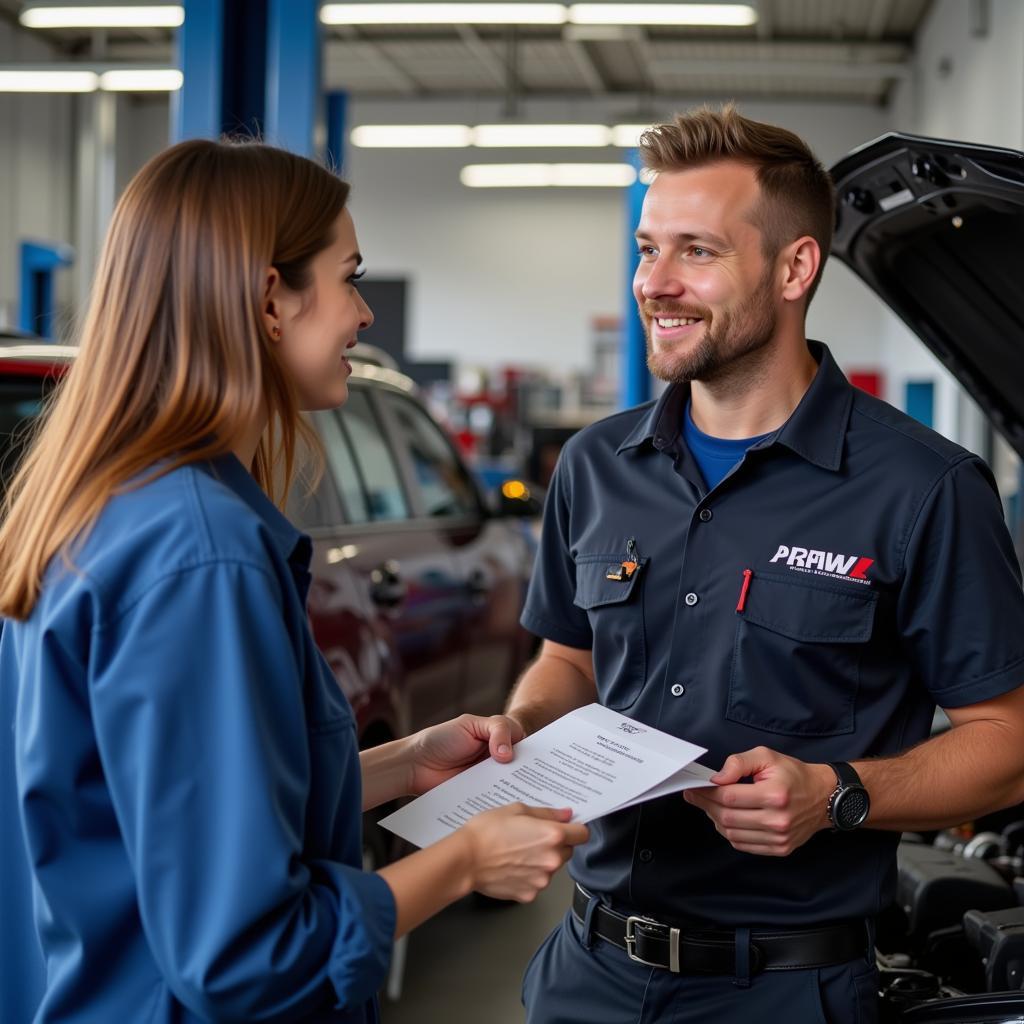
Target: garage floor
(473, 955)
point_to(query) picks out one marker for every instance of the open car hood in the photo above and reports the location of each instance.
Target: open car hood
(936, 228)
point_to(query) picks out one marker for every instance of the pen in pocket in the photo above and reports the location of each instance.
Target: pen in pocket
(747, 574)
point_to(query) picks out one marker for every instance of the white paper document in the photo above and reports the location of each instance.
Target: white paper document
(593, 760)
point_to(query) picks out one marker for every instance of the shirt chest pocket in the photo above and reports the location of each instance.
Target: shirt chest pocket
(615, 608)
(797, 657)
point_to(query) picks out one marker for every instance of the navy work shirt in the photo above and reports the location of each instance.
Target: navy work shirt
(882, 582)
(186, 777)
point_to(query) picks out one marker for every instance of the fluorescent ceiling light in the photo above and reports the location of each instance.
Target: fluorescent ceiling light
(142, 80)
(411, 136)
(443, 14)
(499, 135)
(662, 14)
(48, 81)
(628, 135)
(109, 16)
(547, 175)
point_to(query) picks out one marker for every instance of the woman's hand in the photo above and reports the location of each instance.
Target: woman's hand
(515, 850)
(442, 751)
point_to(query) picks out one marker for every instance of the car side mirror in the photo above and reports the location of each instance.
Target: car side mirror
(517, 499)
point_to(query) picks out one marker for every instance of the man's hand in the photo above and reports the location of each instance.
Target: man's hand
(783, 807)
(442, 751)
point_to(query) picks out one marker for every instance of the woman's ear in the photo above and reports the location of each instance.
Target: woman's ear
(271, 303)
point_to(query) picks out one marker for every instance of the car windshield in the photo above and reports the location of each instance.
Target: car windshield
(21, 399)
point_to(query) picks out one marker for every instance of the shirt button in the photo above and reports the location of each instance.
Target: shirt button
(646, 856)
(705, 515)
(678, 690)
(691, 599)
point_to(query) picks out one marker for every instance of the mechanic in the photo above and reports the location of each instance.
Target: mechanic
(788, 571)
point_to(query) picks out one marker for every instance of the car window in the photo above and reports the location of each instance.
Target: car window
(342, 466)
(20, 402)
(319, 506)
(385, 499)
(442, 482)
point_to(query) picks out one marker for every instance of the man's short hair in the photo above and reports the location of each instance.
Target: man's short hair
(797, 195)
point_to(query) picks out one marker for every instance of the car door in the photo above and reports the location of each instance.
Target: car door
(404, 567)
(489, 553)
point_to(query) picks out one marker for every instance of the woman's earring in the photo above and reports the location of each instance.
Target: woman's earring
(276, 332)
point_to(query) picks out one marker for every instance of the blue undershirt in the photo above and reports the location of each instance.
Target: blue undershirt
(714, 455)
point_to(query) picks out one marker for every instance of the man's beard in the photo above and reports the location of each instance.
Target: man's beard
(727, 342)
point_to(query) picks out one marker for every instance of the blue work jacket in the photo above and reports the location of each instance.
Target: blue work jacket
(180, 789)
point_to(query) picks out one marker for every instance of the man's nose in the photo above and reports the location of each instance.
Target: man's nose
(662, 279)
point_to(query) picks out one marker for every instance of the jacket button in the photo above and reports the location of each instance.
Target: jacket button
(646, 856)
(678, 690)
(691, 599)
(705, 515)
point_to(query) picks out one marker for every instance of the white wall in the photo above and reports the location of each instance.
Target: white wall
(515, 275)
(36, 150)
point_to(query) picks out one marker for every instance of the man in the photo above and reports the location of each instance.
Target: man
(787, 571)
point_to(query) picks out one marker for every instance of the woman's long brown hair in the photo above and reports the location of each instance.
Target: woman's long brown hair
(174, 360)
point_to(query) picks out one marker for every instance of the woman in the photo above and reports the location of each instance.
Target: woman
(185, 766)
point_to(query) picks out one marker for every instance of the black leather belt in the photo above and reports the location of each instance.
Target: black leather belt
(714, 952)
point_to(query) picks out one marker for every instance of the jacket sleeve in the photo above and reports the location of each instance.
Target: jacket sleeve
(197, 703)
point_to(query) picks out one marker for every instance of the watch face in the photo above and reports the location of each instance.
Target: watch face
(851, 807)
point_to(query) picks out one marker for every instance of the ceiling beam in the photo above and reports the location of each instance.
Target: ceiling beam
(783, 67)
(484, 55)
(585, 65)
(402, 79)
(878, 19)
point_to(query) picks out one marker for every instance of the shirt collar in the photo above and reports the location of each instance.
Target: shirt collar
(815, 431)
(294, 546)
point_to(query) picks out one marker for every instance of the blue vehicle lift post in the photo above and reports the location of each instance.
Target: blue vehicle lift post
(39, 263)
(635, 381)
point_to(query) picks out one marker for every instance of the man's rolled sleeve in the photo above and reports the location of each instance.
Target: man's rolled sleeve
(208, 761)
(961, 609)
(550, 611)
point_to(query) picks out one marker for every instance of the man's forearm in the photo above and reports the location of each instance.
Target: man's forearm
(551, 687)
(973, 769)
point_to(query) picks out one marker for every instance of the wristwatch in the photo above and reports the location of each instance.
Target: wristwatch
(849, 803)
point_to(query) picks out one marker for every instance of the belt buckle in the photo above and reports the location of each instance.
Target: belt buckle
(673, 943)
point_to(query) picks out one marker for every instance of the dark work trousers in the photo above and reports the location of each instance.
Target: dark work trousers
(566, 982)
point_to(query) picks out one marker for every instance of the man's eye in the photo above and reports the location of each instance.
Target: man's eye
(645, 250)
(700, 252)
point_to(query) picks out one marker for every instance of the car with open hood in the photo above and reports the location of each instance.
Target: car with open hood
(935, 229)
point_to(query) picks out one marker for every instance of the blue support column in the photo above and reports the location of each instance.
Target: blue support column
(39, 263)
(293, 73)
(196, 107)
(222, 52)
(337, 118)
(635, 381)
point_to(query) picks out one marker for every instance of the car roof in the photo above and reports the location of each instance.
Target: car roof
(20, 353)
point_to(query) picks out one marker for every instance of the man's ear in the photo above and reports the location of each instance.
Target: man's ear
(802, 259)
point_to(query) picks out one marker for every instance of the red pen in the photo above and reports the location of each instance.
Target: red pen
(747, 573)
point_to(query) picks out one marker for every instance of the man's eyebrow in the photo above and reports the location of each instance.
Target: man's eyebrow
(690, 236)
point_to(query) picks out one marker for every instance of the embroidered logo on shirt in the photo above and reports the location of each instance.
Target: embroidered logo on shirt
(825, 563)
